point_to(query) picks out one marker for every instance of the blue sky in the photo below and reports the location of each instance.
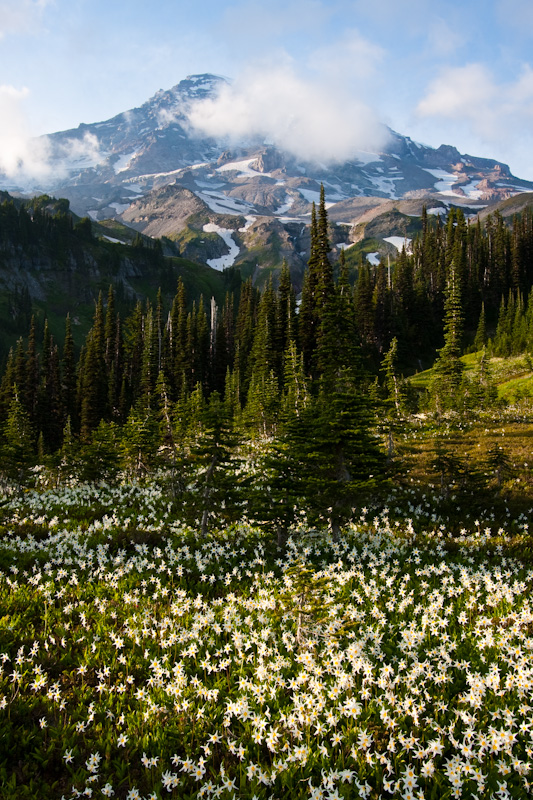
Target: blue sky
(442, 72)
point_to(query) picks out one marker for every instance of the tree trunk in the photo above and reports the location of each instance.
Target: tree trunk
(205, 495)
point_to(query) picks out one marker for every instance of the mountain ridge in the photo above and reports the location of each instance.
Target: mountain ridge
(122, 167)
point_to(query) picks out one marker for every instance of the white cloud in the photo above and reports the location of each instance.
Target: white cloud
(30, 161)
(19, 154)
(21, 16)
(82, 152)
(312, 118)
(472, 95)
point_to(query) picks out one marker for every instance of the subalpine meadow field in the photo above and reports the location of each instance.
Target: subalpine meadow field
(138, 660)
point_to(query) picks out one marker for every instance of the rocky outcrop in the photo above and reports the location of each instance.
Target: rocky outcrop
(163, 212)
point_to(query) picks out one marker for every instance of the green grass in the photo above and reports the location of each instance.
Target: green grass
(509, 373)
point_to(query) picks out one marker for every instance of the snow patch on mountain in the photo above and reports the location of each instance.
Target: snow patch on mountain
(227, 235)
(313, 196)
(243, 168)
(119, 207)
(472, 191)
(289, 202)
(399, 242)
(124, 162)
(445, 180)
(248, 224)
(365, 157)
(222, 204)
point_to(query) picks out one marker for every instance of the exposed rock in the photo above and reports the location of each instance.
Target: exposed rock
(163, 212)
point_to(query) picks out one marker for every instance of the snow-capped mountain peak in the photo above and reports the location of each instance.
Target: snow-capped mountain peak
(105, 167)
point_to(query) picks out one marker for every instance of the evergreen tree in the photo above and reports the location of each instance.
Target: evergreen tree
(17, 448)
(307, 317)
(286, 318)
(392, 380)
(139, 441)
(68, 372)
(92, 381)
(327, 457)
(31, 381)
(99, 457)
(481, 333)
(448, 368)
(215, 486)
(296, 390)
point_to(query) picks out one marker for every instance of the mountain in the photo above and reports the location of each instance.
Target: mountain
(250, 203)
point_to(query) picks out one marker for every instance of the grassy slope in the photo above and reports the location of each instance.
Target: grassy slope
(511, 373)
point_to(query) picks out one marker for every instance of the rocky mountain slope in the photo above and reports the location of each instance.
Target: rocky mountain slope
(250, 203)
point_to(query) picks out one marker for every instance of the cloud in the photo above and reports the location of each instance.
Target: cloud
(79, 153)
(30, 161)
(492, 110)
(311, 117)
(20, 155)
(21, 16)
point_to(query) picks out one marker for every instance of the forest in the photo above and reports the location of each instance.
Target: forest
(187, 385)
(193, 387)
(273, 543)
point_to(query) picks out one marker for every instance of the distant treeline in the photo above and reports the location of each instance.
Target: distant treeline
(265, 355)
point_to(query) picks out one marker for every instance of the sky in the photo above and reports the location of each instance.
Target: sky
(321, 77)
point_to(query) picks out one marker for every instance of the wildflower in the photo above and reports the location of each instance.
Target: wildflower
(409, 778)
(68, 757)
(427, 769)
(108, 790)
(122, 739)
(169, 780)
(93, 762)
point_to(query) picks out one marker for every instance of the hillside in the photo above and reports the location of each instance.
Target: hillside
(151, 169)
(53, 264)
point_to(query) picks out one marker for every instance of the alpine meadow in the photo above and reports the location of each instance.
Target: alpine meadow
(266, 469)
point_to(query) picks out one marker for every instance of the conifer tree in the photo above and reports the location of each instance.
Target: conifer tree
(481, 333)
(286, 318)
(17, 448)
(392, 380)
(307, 318)
(364, 316)
(178, 341)
(92, 382)
(133, 352)
(296, 390)
(139, 441)
(216, 486)
(244, 333)
(6, 386)
(68, 375)
(31, 382)
(448, 368)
